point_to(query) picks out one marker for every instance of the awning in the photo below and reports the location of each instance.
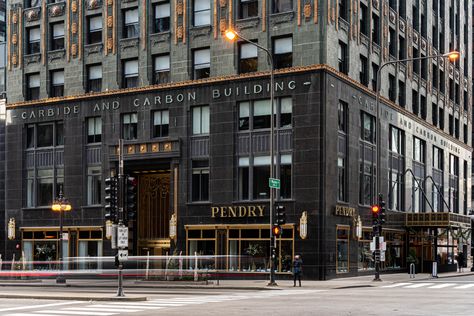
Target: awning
(437, 220)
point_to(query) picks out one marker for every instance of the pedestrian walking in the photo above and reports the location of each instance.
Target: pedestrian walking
(461, 261)
(297, 270)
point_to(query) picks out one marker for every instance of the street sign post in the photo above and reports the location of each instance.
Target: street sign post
(123, 255)
(122, 237)
(274, 183)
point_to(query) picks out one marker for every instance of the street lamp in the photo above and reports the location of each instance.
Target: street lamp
(61, 204)
(452, 57)
(231, 35)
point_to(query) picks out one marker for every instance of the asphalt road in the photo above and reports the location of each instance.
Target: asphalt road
(446, 296)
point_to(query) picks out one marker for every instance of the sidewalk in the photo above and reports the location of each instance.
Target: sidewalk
(100, 290)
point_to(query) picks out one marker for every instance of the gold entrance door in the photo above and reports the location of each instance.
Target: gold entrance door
(153, 213)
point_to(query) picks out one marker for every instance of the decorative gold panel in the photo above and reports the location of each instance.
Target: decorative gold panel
(131, 149)
(155, 148)
(143, 148)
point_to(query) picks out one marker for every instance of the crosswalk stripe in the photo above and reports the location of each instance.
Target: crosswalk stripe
(417, 285)
(465, 286)
(29, 314)
(87, 313)
(441, 286)
(128, 306)
(38, 306)
(147, 304)
(98, 309)
(396, 285)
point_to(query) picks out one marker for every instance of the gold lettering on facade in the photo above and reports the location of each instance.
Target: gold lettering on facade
(345, 211)
(214, 211)
(237, 211)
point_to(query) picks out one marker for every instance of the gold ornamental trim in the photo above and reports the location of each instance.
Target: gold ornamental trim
(15, 18)
(222, 3)
(74, 50)
(180, 32)
(143, 148)
(14, 39)
(74, 28)
(14, 59)
(298, 12)
(307, 11)
(179, 8)
(110, 2)
(74, 6)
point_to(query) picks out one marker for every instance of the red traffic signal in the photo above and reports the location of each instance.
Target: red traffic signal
(375, 209)
(276, 230)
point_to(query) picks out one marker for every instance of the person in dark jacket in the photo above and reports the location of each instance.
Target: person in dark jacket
(461, 261)
(297, 269)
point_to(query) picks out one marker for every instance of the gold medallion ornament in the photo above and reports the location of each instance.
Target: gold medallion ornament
(110, 2)
(74, 28)
(14, 39)
(223, 25)
(307, 11)
(14, 59)
(180, 31)
(74, 6)
(110, 21)
(222, 3)
(15, 18)
(143, 148)
(167, 147)
(110, 43)
(179, 8)
(304, 225)
(155, 148)
(74, 49)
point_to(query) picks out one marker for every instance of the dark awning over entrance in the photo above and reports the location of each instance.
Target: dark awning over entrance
(437, 220)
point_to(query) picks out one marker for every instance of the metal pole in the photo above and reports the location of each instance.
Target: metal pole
(59, 278)
(120, 292)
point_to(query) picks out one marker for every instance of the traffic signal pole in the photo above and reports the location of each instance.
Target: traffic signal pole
(121, 191)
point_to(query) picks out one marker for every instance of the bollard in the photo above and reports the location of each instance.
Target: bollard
(412, 271)
(434, 272)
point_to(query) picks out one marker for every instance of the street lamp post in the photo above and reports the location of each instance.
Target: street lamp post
(452, 56)
(231, 35)
(61, 204)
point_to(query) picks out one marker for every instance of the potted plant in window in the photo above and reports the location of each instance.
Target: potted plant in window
(253, 250)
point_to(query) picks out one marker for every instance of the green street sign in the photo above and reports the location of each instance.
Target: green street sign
(274, 183)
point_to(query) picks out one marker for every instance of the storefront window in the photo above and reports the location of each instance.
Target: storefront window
(245, 249)
(366, 257)
(342, 260)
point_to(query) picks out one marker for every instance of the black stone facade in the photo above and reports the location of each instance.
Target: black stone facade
(315, 93)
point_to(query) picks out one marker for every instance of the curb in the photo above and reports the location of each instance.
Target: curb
(75, 298)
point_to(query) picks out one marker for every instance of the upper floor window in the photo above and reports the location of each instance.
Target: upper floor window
(130, 73)
(94, 24)
(162, 17)
(280, 6)
(438, 158)
(375, 29)
(57, 83)
(364, 19)
(202, 12)
(161, 123)
(364, 70)
(94, 185)
(33, 90)
(45, 135)
(34, 36)
(94, 130)
(200, 120)
(248, 58)
(368, 128)
(343, 58)
(283, 52)
(57, 40)
(162, 69)
(248, 8)
(33, 3)
(129, 126)
(94, 78)
(418, 150)
(130, 26)
(202, 63)
(257, 114)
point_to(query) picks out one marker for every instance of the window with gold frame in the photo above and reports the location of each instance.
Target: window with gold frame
(247, 248)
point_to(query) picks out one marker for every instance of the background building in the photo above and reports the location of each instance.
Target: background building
(194, 112)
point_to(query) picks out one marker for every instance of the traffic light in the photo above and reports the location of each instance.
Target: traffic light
(280, 215)
(131, 197)
(276, 230)
(111, 198)
(383, 210)
(375, 214)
